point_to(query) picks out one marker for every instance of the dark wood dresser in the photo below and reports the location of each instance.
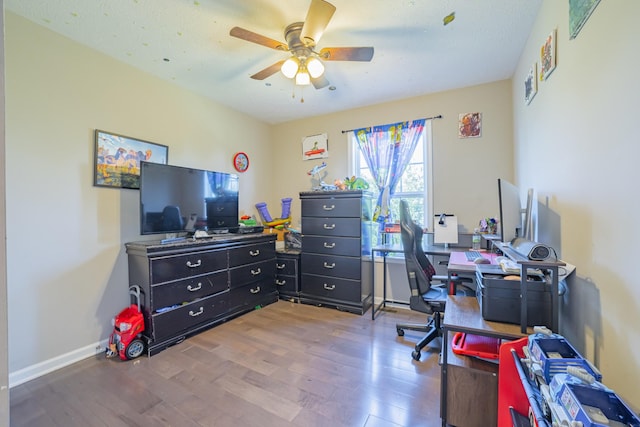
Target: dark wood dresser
(336, 250)
(190, 285)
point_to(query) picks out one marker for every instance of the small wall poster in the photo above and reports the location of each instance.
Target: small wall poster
(315, 147)
(470, 125)
(531, 84)
(548, 56)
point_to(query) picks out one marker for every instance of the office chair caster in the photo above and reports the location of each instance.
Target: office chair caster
(400, 332)
(416, 355)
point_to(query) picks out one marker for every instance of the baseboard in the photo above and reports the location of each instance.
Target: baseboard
(39, 369)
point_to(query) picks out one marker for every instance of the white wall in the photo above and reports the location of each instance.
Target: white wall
(465, 170)
(66, 264)
(576, 144)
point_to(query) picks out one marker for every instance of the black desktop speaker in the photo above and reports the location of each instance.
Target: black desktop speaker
(533, 250)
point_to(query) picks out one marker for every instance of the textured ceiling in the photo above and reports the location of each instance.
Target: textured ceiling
(187, 42)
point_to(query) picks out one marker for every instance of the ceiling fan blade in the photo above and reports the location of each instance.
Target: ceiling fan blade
(252, 37)
(320, 82)
(347, 53)
(318, 17)
(269, 71)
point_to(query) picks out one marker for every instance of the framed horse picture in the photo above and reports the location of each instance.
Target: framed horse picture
(117, 159)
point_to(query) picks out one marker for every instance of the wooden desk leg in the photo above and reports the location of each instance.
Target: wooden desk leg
(443, 378)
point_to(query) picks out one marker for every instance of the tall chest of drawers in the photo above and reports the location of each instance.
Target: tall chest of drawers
(336, 250)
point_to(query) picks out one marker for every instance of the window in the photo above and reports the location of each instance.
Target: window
(414, 185)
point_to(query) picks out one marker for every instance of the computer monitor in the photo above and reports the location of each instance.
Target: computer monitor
(510, 211)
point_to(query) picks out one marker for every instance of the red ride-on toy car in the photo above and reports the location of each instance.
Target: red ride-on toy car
(126, 339)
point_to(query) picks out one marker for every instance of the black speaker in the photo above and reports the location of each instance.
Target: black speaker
(533, 250)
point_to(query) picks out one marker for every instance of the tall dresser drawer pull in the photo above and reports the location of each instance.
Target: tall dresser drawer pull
(197, 264)
(256, 272)
(256, 290)
(254, 253)
(196, 313)
(281, 282)
(332, 265)
(197, 288)
(329, 245)
(328, 208)
(329, 227)
(329, 287)
(280, 266)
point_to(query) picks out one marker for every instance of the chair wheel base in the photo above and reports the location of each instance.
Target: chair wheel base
(416, 355)
(400, 332)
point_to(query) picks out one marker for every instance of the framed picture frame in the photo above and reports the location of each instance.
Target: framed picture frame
(315, 147)
(579, 13)
(531, 83)
(117, 159)
(470, 125)
(548, 56)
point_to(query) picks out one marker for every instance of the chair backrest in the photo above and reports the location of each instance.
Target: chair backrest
(415, 259)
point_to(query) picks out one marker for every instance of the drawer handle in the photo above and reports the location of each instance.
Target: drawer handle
(328, 208)
(281, 282)
(332, 265)
(197, 264)
(329, 245)
(254, 253)
(256, 290)
(198, 313)
(256, 272)
(197, 288)
(329, 287)
(280, 266)
(329, 227)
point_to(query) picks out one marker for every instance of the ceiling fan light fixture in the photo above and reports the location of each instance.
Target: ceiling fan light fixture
(290, 68)
(315, 67)
(302, 78)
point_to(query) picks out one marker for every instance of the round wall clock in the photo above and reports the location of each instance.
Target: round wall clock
(241, 162)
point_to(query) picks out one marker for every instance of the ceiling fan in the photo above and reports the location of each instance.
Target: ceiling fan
(305, 63)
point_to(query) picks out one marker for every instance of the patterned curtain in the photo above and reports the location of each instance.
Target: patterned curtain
(387, 149)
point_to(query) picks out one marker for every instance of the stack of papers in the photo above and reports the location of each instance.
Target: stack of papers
(507, 265)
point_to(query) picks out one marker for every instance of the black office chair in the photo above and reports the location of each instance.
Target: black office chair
(425, 297)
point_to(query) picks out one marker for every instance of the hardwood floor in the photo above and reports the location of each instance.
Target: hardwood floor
(283, 365)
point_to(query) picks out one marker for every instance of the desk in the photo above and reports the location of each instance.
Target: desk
(385, 250)
(469, 386)
(458, 265)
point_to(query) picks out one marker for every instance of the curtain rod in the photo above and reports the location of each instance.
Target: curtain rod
(439, 116)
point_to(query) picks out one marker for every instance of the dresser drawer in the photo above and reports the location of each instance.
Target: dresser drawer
(328, 207)
(286, 284)
(331, 288)
(181, 266)
(179, 320)
(329, 265)
(331, 245)
(240, 276)
(168, 294)
(251, 295)
(286, 266)
(251, 253)
(347, 227)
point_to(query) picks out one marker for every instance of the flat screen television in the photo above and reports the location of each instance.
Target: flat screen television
(175, 199)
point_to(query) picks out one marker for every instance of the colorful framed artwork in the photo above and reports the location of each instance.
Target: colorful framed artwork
(531, 83)
(548, 56)
(470, 125)
(241, 162)
(315, 147)
(579, 12)
(117, 159)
